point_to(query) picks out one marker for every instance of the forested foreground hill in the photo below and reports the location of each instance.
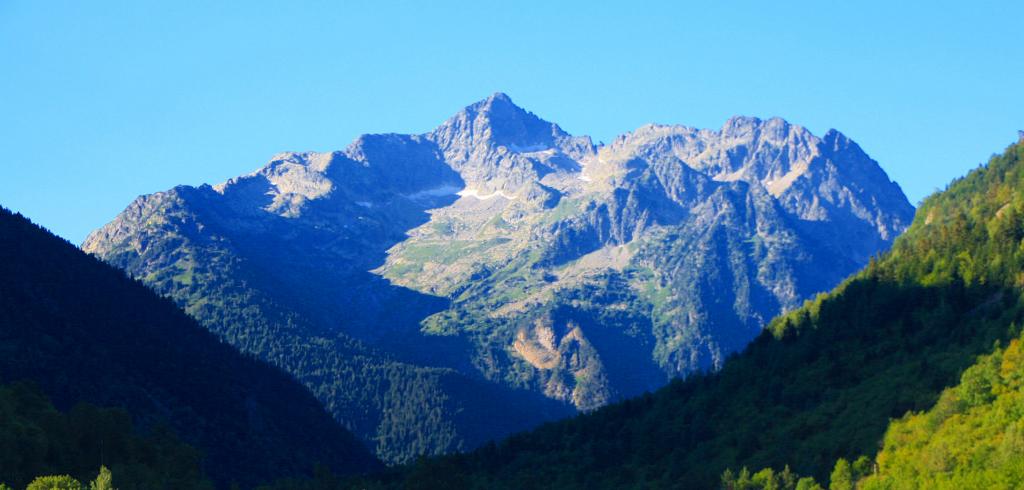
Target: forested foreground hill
(84, 332)
(822, 383)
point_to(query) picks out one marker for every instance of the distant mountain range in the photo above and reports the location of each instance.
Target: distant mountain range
(440, 290)
(81, 331)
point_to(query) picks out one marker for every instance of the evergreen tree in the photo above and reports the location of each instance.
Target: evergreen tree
(765, 480)
(862, 468)
(842, 476)
(788, 479)
(728, 479)
(103, 481)
(808, 483)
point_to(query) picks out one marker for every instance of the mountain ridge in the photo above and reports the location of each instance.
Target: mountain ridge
(506, 252)
(911, 368)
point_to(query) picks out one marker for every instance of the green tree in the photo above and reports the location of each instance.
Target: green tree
(842, 476)
(788, 479)
(103, 481)
(728, 479)
(57, 482)
(765, 480)
(808, 483)
(862, 468)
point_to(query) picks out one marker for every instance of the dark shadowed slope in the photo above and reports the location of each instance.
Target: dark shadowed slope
(84, 331)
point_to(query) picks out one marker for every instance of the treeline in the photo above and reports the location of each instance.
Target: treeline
(36, 440)
(822, 383)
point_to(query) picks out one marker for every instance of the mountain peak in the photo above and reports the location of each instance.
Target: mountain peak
(499, 97)
(499, 106)
(835, 139)
(497, 121)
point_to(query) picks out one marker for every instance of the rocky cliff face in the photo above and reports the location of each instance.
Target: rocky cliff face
(400, 277)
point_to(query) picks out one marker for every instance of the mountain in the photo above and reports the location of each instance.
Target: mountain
(911, 368)
(84, 332)
(404, 276)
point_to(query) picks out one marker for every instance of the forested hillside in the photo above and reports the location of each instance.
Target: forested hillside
(822, 383)
(972, 436)
(84, 332)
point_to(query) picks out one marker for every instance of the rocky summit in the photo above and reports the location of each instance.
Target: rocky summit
(436, 291)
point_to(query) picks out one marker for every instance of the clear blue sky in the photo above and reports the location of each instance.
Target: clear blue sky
(103, 101)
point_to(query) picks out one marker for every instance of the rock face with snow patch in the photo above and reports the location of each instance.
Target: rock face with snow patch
(404, 276)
